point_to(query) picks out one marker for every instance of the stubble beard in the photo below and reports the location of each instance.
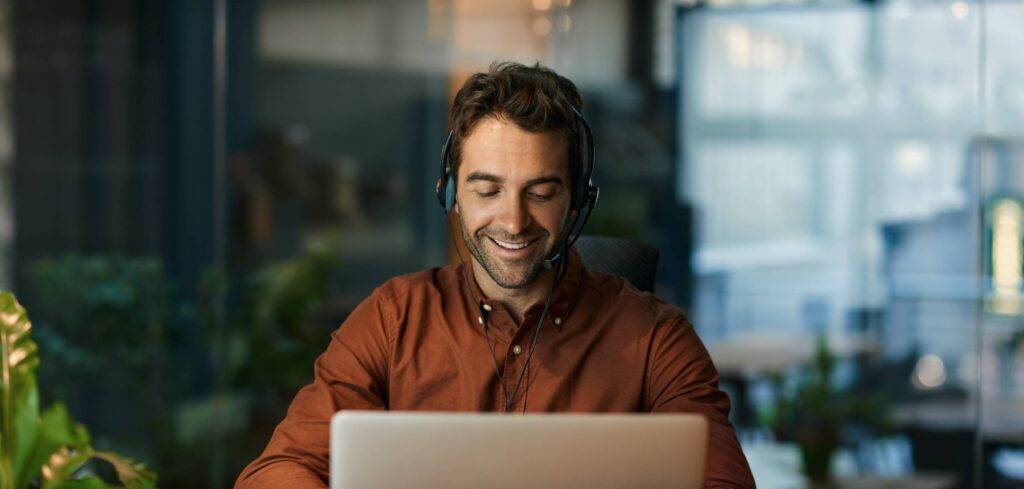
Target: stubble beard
(516, 276)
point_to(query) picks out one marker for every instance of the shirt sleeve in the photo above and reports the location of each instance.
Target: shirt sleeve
(682, 379)
(351, 374)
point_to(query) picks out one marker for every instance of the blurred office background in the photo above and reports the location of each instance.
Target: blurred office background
(193, 195)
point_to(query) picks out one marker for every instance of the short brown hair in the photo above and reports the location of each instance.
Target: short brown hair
(535, 98)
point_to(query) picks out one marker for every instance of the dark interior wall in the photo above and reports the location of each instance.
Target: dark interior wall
(390, 122)
(364, 113)
(113, 129)
(188, 171)
(82, 174)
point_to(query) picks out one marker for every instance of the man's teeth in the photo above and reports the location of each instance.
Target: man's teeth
(511, 246)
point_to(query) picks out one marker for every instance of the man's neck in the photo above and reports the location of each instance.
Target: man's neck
(518, 301)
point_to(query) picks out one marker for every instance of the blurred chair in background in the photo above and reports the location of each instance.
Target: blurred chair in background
(634, 261)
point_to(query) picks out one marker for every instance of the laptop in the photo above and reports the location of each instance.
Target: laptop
(412, 450)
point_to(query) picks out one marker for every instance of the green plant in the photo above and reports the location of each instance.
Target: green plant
(816, 412)
(263, 333)
(47, 450)
(101, 311)
(118, 338)
(276, 318)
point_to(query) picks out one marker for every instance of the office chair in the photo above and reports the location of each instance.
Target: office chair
(634, 261)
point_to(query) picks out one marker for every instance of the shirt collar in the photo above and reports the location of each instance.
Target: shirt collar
(565, 295)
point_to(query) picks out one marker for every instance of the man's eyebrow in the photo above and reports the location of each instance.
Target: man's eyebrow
(487, 177)
(545, 179)
(483, 177)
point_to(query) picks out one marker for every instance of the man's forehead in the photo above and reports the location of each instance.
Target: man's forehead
(502, 149)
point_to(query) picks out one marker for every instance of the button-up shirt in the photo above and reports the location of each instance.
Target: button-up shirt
(418, 343)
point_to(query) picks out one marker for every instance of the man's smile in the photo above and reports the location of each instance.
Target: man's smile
(513, 248)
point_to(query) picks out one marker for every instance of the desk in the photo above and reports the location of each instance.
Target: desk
(1002, 420)
(915, 481)
(777, 465)
(745, 356)
(760, 353)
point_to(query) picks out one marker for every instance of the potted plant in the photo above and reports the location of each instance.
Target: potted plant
(46, 450)
(815, 412)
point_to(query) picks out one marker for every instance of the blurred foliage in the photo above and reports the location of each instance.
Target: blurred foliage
(262, 347)
(274, 335)
(46, 450)
(622, 214)
(816, 413)
(101, 312)
(116, 339)
(191, 373)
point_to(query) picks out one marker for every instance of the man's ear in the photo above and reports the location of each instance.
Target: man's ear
(455, 207)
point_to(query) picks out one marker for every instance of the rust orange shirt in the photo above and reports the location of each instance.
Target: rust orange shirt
(417, 343)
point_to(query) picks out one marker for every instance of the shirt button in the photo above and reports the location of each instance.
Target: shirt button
(480, 319)
(487, 307)
(558, 321)
(517, 350)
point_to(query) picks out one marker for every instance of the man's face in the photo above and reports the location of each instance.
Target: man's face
(512, 198)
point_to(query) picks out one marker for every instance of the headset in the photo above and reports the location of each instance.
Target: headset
(582, 201)
(584, 192)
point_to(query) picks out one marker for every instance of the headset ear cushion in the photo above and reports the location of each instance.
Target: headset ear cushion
(579, 194)
(449, 194)
(439, 191)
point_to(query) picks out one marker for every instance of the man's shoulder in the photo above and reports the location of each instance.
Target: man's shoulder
(618, 294)
(418, 283)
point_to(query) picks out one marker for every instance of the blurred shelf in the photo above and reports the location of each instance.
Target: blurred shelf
(760, 353)
(1002, 420)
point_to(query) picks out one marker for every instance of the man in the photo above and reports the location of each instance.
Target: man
(508, 332)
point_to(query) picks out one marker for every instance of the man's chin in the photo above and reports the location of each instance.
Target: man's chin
(514, 274)
(509, 272)
(512, 282)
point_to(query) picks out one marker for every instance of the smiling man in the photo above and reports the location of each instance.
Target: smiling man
(524, 326)
(513, 208)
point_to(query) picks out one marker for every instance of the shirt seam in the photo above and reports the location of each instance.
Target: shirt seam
(389, 336)
(655, 344)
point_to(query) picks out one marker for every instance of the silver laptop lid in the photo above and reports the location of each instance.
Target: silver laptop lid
(391, 450)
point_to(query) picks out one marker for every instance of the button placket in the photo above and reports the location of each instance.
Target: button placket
(511, 376)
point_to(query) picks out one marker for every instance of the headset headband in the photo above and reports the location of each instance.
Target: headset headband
(584, 192)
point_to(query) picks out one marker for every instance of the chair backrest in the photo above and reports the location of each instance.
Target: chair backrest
(634, 261)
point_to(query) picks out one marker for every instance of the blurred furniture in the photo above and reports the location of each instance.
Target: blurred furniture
(743, 357)
(634, 261)
(761, 353)
(943, 433)
(915, 481)
(1002, 420)
(777, 465)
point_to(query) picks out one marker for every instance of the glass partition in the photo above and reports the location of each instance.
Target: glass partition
(192, 197)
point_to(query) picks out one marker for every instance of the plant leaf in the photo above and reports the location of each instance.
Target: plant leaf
(26, 435)
(19, 399)
(62, 448)
(86, 483)
(51, 444)
(132, 474)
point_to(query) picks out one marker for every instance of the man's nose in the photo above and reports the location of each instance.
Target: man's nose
(514, 217)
